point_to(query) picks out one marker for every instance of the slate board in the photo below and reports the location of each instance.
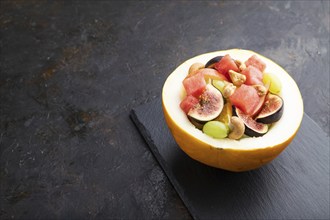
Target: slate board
(293, 186)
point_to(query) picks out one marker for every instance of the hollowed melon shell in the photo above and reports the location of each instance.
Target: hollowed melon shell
(247, 153)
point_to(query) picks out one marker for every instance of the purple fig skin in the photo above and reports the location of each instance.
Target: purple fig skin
(249, 131)
(273, 116)
(212, 61)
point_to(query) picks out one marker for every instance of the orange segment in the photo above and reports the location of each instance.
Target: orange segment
(225, 114)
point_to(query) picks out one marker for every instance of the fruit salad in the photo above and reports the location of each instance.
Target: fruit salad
(229, 98)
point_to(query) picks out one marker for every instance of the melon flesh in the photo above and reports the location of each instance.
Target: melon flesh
(195, 84)
(256, 62)
(188, 102)
(245, 98)
(253, 76)
(226, 64)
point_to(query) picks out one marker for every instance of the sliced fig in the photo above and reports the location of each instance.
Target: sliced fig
(197, 124)
(209, 106)
(252, 127)
(272, 109)
(212, 61)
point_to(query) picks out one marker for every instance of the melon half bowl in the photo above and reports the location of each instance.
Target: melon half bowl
(233, 155)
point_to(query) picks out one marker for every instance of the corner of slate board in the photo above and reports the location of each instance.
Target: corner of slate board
(294, 185)
(134, 115)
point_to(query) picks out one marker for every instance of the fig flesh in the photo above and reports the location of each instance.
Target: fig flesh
(272, 109)
(212, 61)
(209, 106)
(252, 127)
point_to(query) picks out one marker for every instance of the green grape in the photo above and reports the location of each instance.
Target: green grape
(273, 81)
(219, 84)
(216, 129)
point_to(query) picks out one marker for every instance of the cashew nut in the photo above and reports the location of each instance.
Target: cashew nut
(194, 67)
(238, 128)
(228, 90)
(242, 66)
(238, 62)
(237, 78)
(260, 89)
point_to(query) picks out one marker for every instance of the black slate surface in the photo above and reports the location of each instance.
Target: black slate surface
(71, 71)
(294, 186)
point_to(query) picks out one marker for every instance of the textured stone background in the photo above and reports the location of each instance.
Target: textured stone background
(71, 73)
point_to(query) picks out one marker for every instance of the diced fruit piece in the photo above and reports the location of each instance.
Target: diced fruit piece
(209, 106)
(253, 75)
(216, 129)
(262, 92)
(252, 128)
(272, 110)
(219, 84)
(256, 62)
(211, 62)
(226, 64)
(212, 74)
(245, 98)
(188, 102)
(273, 81)
(258, 108)
(195, 84)
(225, 114)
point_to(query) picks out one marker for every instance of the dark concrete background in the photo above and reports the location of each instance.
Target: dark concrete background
(71, 73)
